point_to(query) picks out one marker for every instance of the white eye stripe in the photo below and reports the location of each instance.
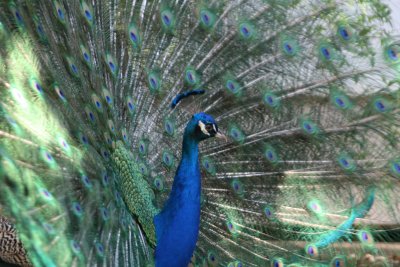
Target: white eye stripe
(203, 128)
(215, 129)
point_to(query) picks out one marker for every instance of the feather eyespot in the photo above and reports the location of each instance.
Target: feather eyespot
(38, 87)
(232, 86)
(339, 101)
(168, 159)
(142, 147)
(232, 227)
(191, 77)
(88, 15)
(169, 127)
(277, 263)
(268, 212)
(212, 259)
(382, 105)
(270, 154)
(339, 261)
(246, 30)
(312, 250)
(326, 53)
(143, 169)
(74, 68)
(208, 165)
(271, 100)
(365, 237)
(237, 187)
(77, 209)
(395, 167)
(105, 179)
(39, 29)
(131, 106)
(290, 47)
(86, 181)
(99, 249)
(134, 37)
(46, 194)
(18, 16)
(75, 246)
(167, 19)
(84, 140)
(60, 13)
(158, 183)
(309, 127)
(346, 162)
(104, 213)
(392, 53)
(344, 33)
(314, 207)
(207, 19)
(105, 153)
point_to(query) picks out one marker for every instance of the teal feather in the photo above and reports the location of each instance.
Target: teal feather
(91, 167)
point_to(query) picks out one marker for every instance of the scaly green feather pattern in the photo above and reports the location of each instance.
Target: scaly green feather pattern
(135, 190)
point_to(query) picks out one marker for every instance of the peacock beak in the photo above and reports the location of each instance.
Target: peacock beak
(221, 136)
(218, 134)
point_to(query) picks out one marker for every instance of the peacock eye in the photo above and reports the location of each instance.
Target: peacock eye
(209, 127)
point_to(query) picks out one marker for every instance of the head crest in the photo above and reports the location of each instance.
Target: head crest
(181, 96)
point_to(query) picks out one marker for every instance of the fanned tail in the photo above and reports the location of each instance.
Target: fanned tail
(307, 92)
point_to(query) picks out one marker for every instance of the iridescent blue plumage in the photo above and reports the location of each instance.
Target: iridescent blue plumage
(181, 96)
(177, 225)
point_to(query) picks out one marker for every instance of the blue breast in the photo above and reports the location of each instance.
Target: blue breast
(177, 225)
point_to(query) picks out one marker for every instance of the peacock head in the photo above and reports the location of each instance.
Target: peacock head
(203, 126)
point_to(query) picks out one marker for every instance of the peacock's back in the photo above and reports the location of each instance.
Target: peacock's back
(307, 92)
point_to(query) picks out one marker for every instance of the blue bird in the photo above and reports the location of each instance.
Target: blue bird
(177, 225)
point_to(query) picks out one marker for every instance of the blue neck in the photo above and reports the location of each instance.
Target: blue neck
(187, 177)
(177, 225)
(190, 158)
(190, 147)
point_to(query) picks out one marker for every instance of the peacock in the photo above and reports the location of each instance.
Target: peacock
(175, 133)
